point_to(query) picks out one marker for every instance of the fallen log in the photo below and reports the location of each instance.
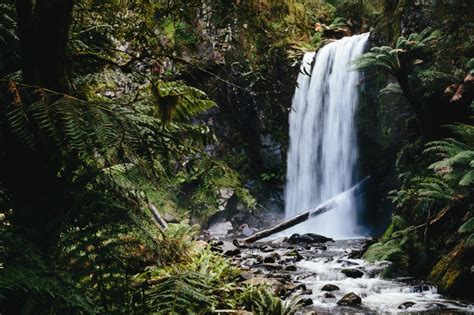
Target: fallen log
(302, 217)
(158, 219)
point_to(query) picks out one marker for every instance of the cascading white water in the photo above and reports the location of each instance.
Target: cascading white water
(323, 146)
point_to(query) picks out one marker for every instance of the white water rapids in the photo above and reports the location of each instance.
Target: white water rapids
(323, 146)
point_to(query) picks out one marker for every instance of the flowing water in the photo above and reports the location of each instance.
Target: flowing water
(323, 147)
(321, 164)
(322, 264)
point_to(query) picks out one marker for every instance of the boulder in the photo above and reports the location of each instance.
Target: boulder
(290, 268)
(350, 299)
(232, 252)
(272, 258)
(328, 295)
(453, 274)
(352, 273)
(330, 287)
(306, 301)
(308, 238)
(269, 259)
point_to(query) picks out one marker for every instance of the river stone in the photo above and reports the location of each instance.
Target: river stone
(294, 253)
(330, 287)
(232, 252)
(352, 273)
(308, 238)
(328, 295)
(272, 266)
(406, 305)
(306, 301)
(290, 268)
(350, 299)
(272, 258)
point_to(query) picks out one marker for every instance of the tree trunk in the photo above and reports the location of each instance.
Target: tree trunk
(43, 29)
(424, 121)
(302, 217)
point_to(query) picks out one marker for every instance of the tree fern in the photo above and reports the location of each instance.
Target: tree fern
(184, 293)
(456, 158)
(179, 101)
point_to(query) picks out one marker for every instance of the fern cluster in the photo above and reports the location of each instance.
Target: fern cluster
(447, 182)
(400, 58)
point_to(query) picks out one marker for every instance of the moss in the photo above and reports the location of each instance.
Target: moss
(452, 274)
(398, 224)
(400, 246)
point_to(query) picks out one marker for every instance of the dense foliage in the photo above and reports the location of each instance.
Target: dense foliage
(109, 109)
(430, 234)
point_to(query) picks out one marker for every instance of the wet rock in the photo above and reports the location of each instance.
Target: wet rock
(232, 252)
(216, 249)
(330, 287)
(272, 266)
(306, 301)
(328, 295)
(350, 299)
(290, 268)
(324, 247)
(308, 238)
(289, 289)
(269, 259)
(281, 277)
(294, 253)
(357, 254)
(307, 292)
(453, 273)
(405, 305)
(352, 273)
(267, 249)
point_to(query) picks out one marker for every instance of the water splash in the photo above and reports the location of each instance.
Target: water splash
(323, 145)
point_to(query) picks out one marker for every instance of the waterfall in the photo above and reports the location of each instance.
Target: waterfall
(323, 150)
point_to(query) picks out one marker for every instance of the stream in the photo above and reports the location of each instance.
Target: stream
(322, 273)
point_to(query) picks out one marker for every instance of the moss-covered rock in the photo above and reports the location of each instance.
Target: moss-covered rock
(453, 273)
(399, 245)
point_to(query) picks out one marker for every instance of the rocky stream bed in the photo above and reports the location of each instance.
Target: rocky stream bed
(332, 279)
